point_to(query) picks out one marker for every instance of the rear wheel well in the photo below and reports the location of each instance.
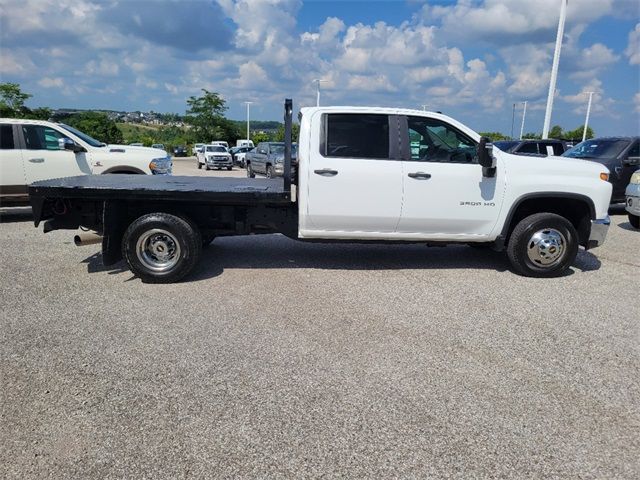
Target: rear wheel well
(577, 210)
(123, 170)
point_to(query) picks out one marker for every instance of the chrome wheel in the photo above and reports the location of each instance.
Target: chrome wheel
(158, 250)
(547, 247)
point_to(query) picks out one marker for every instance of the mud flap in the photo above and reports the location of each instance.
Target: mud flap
(114, 221)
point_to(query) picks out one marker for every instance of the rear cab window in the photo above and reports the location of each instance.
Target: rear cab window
(6, 137)
(355, 135)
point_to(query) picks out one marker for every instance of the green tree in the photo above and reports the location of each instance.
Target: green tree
(494, 136)
(12, 100)
(577, 133)
(295, 132)
(260, 137)
(97, 125)
(556, 132)
(40, 113)
(206, 115)
(532, 136)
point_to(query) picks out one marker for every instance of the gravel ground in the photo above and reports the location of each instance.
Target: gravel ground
(280, 359)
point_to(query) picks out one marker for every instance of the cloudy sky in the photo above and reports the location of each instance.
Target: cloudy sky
(471, 59)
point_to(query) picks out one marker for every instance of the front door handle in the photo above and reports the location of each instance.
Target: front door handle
(326, 172)
(420, 175)
(36, 160)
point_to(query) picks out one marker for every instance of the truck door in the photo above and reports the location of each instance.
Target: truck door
(354, 177)
(43, 158)
(13, 184)
(445, 193)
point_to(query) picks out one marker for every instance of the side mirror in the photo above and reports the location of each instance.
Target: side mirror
(68, 144)
(632, 161)
(485, 157)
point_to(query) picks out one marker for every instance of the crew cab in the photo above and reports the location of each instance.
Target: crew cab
(214, 156)
(359, 180)
(32, 150)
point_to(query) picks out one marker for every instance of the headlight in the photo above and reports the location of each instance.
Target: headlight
(635, 178)
(161, 166)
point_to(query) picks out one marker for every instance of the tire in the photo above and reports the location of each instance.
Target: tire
(230, 168)
(542, 245)
(250, 173)
(634, 220)
(166, 233)
(199, 165)
(206, 167)
(243, 164)
(269, 171)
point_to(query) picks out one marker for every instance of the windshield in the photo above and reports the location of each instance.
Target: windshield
(597, 149)
(505, 146)
(216, 149)
(91, 141)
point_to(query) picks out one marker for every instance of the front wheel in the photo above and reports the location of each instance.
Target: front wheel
(229, 168)
(250, 173)
(161, 248)
(542, 245)
(199, 165)
(634, 220)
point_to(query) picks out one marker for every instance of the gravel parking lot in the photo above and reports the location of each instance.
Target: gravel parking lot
(281, 359)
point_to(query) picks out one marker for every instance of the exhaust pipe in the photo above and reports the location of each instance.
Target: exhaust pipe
(84, 239)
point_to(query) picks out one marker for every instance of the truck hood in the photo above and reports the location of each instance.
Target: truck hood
(556, 164)
(147, 152)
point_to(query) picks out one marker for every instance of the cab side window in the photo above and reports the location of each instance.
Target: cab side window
(6, 137)
(38, 137)
(531, 147)
(354, 135)
(634, 151)
(433, 140)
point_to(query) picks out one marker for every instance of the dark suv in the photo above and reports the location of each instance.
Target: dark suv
(532, 147)
(621, 155)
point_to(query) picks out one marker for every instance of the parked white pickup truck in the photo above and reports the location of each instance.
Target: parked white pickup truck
(364, 174)
(32, 150)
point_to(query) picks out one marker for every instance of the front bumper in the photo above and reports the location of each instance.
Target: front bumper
(633, 199)
(599, 229)
(219, 162)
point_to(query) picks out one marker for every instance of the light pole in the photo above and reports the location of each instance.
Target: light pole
(513, 119)
(586, 120)
(554, 69)
(318, 81)
(424, 108)
(248, 104)
(524, 114)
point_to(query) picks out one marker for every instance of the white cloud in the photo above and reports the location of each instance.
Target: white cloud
(633, 48)
(47, 82)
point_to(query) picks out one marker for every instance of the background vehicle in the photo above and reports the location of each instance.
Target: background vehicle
(268, 159)
(214, 156)
(33, 150)
(221, 142)
(621, 155)
(180, 151)
(159, 146)
(633, 200)
(238, 154)
(195, 148)
(245, 143)
(358, 180)
(136, 144)
(532, 147)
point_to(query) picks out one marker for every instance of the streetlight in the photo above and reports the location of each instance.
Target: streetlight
(513, 119)
(424, 108)
(586, 120)
(318, 81)
(524, 114)
(248, 103)
(554, 69)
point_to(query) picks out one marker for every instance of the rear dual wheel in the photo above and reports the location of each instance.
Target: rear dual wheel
(161, 248)
(634, 220)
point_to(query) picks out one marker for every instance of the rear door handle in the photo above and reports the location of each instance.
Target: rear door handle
(326, 172)
(36, 160)
(420, 175)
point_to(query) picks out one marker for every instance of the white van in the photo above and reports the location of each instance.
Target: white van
(245, 143)
(222, 143)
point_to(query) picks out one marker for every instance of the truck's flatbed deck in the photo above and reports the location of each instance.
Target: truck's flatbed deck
(171, 188)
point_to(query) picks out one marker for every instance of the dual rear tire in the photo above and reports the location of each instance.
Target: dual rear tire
(161, 248)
